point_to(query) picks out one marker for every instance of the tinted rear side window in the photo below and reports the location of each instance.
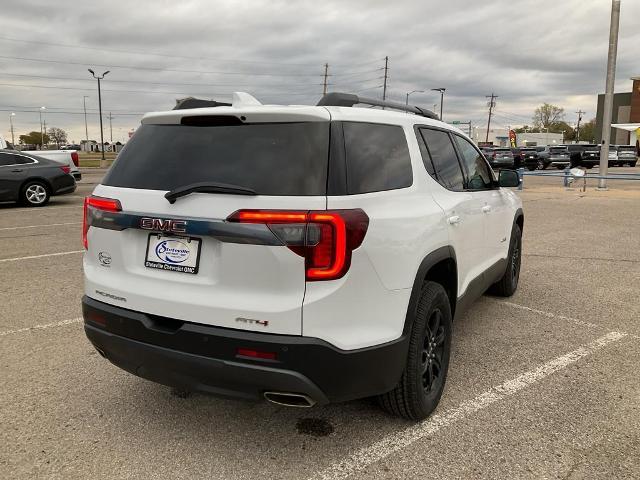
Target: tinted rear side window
(377, 157)
(270, 158)
(444, 158)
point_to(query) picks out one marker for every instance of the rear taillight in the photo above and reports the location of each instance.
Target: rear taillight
(324, 238)
(66, 168)
(92, 204)
(74, 157)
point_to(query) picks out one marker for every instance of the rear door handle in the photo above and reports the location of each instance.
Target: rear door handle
(486, 209)
(18, 170)
(454, 220)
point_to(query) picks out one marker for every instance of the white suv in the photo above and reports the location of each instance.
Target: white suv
(302, 254)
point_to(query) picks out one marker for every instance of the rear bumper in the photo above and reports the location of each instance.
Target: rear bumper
(204, 358)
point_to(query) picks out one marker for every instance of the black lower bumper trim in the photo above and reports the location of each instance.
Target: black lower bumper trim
(204, 358)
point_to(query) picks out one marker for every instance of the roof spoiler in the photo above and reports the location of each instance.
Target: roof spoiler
(191, 102)
(336, 99)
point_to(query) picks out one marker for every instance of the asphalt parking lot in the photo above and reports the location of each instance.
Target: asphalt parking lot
(542, 385)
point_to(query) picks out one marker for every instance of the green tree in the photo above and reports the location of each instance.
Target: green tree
(563, 127)
(57, 135)
(546, 115)
(33, 138)
(588, 131)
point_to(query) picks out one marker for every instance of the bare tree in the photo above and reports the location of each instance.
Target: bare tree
(57, 135)
(546, 115)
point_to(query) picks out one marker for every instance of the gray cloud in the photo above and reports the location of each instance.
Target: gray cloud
(526, 51)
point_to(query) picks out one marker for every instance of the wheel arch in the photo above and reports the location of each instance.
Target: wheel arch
(519, 219)
(439, 266)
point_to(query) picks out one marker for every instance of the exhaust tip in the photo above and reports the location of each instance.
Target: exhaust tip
(289, 399)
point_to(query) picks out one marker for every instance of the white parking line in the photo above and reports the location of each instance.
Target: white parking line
(41, 327)
(30, 257)
(582, 323)
(42, 226)
(394, 442)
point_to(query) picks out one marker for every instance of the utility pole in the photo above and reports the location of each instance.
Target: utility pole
(103, 162)
(44, 123)
(608, 96)
(580, 113)
(41, 136)
(110, 128)
(491, 104)
(326, 75)
(86, 129)
(13, 140)
(386, 76)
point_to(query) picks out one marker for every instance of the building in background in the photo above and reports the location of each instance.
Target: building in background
(626, 110)
(499, 137)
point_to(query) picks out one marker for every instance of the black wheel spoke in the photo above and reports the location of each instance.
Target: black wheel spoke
(439, 340)
(434, 323)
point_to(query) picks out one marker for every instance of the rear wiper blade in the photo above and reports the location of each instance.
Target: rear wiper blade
(207, 187)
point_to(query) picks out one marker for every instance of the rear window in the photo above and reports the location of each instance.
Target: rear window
(626, 148)
(377, 157)
(558, 150)
(270, 158)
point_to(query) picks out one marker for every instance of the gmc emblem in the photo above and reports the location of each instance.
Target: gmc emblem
(163, 225)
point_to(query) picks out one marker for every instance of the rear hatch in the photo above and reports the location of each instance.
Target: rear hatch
(558, 153)
(503, 155)
(627, 152)
(185, 260)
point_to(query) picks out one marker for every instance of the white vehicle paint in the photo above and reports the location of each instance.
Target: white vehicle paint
(63, 157)
(245, 281)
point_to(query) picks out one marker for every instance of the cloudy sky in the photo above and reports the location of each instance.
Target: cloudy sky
(526, 51)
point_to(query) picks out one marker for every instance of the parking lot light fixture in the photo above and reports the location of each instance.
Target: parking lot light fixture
(103, 162)
(441, 90)
(412, 91)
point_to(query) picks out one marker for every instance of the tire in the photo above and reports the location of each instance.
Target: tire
(35, 194)
(588, 166)
(633, 164)
(508, 284)
(542, 165)
(560, 167)
(422, 383)
(531, 168)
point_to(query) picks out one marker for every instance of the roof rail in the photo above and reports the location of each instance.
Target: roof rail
(191, 102)
(335, 99)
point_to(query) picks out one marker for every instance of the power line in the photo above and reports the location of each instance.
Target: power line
(159, 69)
(166, 55)
(153, 83)
(184, 92)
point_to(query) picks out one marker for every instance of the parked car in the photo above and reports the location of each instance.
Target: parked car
(63, 157)
(525, 157)
(499, 157)
(626, 155)
(555, 156)
(589, 155)
(32, 180)
(324, 263)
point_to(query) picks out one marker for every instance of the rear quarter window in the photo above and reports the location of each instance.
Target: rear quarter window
(377, 157)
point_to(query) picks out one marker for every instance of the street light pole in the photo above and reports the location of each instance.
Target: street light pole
(13, 140)
(608, 96)
(86, 129)
(413, 91)
(441, 90)
(103, 162)
(41, 135)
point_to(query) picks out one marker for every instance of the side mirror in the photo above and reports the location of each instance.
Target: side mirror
(508, 178)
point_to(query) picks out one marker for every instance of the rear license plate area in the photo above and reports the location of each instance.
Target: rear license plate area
(173, 254)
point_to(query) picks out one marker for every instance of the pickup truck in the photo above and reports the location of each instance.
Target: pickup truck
(63, 157)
